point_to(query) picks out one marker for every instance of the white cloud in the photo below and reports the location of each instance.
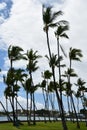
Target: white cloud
(25, 27)
(2, 5)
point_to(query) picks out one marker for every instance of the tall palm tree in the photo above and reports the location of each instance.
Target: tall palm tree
(60, 33)
(14, 54)
(69, 73)
(19, 76)
(49, 21)
(32, 57)
(74, 54)
(53, 62)
(27, 87)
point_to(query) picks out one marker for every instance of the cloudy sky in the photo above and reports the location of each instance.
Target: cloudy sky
(21, 24)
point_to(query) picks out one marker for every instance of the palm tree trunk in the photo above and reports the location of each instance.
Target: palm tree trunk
(7, 106)
(34, 121)
(59, 69)
(45, 104)
(48, 44)
(6, 112)
(78, 126)
(14, 118)
(69, 107)
(27, 108)
(60, 103)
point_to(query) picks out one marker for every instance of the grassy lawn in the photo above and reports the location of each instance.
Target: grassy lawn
(42, 126)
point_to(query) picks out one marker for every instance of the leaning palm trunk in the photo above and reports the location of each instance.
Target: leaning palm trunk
(6, 112)
(45, 104)
(7, 106)
(59, 69)
(14, 117)
(60, 103)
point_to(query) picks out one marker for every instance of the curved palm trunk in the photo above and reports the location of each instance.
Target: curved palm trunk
(45, 104)
(13, 108)
(7, 106)
(60, 103)
(59, 69)
(8, 116)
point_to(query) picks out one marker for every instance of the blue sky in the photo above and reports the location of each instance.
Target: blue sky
(21, 23)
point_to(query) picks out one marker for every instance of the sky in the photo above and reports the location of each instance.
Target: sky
(21, 24)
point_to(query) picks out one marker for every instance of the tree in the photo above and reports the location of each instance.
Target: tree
(60, 33)
(48, 19)
(32, 57)
(74, 54)
(81, 89)
(47, 75)
(14, 54)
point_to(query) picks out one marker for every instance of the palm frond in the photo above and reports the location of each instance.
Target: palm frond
(64, 35)
(63, 51)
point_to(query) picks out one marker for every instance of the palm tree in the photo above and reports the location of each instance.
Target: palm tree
(60, 33)
(14, 54)
(32, 57)
(27, 87)
(81, 89)
(53, 62)
(47, 75)
(48, 19)
(19, 76)
(74, 54)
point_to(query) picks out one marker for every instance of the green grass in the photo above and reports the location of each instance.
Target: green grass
(42, 126)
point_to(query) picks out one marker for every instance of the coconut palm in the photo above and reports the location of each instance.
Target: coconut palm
(27, 87)
(74, 54)
(14, 54)
(32, 57)
(81, 89)
(47, 76)
(49, 21)
(68, 91)
(53, 62)
(19, 77)
(60, 33)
